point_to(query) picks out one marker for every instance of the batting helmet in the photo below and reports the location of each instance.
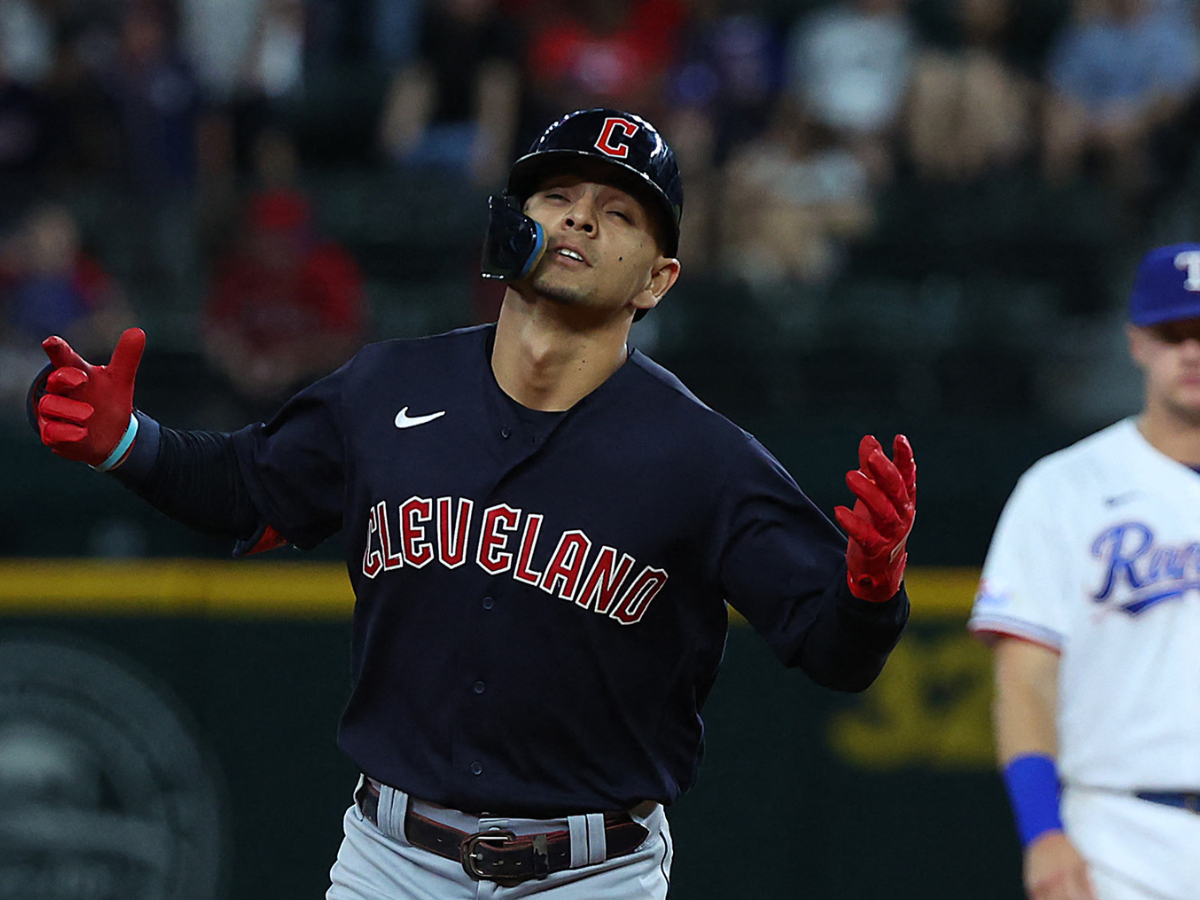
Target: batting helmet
(641, 161)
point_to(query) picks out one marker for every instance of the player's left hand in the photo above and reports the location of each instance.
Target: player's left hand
(881, 520)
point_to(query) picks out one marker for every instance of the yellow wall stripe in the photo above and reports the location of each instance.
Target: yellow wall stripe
(174, 587)
(300, 590)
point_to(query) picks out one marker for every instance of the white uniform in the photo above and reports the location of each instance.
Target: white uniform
(1097, 555)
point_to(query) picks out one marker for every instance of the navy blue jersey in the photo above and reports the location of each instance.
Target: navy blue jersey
(541, 599)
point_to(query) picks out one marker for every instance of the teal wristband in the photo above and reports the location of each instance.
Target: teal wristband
(1033, 789)
(122, 447)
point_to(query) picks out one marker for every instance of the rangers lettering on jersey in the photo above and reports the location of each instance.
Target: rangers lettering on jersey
(422, 530)
(1142, 572)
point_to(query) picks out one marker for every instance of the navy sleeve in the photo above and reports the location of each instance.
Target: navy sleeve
(782, 566)
(850, 639)
(294, 465)
(190, 476)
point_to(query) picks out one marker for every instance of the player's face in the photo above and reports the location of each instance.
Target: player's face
(601, 249)
(1169, 357)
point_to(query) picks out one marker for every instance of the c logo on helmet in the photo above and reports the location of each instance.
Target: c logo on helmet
(609, 142)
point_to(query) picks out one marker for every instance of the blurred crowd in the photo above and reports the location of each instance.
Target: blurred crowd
(789, 118)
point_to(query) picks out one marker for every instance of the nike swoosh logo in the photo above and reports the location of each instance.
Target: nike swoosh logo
(404, 420)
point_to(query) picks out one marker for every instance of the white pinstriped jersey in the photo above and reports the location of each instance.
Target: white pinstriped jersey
(1097, 554)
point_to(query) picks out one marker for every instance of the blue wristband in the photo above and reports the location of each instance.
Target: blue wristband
(1033, 789)
(122, 447)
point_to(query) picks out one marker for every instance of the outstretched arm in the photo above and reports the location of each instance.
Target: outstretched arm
(85, 412)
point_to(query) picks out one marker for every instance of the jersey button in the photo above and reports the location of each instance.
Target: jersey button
(480, 687)
(505, 432)
(476, 768)
(488, 602)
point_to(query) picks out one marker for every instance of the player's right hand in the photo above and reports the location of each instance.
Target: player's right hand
(1054, 870)
(86, 409)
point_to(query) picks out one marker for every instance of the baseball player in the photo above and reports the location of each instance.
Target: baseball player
(542, 529)
(1091, 598)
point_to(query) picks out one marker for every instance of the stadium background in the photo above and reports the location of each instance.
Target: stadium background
(981, 316)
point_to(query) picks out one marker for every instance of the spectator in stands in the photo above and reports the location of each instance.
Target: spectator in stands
(248, 58)
(794, 197)
(158, 106)
(285, 307)
(394, 31)
(49, 285)
(273, 165)
(457, 106)
(1118, 71)
(24, 141)
(971, 109)
(158, 103)
(721, 89)
(849, 65)
(730, 68)
(336, 33)
(26, 39)
(217, 39)
(86, 132)
(613, 53)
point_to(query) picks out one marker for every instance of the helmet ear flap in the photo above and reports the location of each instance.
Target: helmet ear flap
(514, 242)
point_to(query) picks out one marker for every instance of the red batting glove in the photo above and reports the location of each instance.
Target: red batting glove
(882, 518)
(85, 413)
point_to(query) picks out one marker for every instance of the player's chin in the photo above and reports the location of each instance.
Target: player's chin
(1186, 406)
(559, 291)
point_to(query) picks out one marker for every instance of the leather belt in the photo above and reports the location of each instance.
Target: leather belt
(502, 856)
(1189, 800)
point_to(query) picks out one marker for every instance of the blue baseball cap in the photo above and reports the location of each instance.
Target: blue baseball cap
(1167, 286)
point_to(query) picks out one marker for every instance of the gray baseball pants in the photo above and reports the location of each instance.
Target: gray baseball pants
(376, 862)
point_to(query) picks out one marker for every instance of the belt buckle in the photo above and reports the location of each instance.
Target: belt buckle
(470, 856)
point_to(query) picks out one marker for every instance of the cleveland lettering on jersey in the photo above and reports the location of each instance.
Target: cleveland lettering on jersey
(1142, 572)
(422, 530)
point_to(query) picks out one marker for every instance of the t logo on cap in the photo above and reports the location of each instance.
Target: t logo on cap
(1189, 261)
(1159, 294)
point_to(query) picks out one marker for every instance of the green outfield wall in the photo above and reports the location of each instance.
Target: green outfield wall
(167, 729)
